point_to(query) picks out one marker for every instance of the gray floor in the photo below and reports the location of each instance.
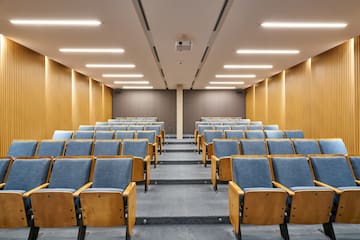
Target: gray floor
(175, 208)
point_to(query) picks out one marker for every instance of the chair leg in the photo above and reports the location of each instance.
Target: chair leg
(238, 236)
(284, 231)
(329, 230)
(34, 232)
(81, 233)
(215, 186)
(127, 236)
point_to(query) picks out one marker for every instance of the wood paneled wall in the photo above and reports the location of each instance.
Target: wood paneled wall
(319, 96)
(249, 102)
(38, 96)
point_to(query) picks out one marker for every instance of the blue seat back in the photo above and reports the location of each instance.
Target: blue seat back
(238, 127)
(255, 122)
(236, 134)
(202, 128)
(292, 171)
(222, 127)
(280, 146)
(104, 134)
(62, 135)
(306, 146)
(254, 134)
(254, 127)
(78, 148)
(332, 170)
(156, 128)
(84, 135)
(70, 172)
(294, 133)
(52, 148)
(136, 128)
(124, 135)
(22, 148)
(271, 127)
(107, 147)
(86, 128)
(253, 147)
(119, 127)
(149, 135)
(355, 163)
(136, 147)
(103, 128)
(225, 147)
(112, 172)
(273, 134)
(4, 164)
(209, 135)
(251, 172)
(332, 146)
(26, 174)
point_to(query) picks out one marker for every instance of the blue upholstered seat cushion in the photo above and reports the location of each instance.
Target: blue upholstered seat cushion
(149, 135)
(271, 127)
(124, 134)
(27, 174)
(104, 190)
(306, 146)
(280, 146)
(356, 188)
(112, 173)
(294, 133)
(51, 148)
(333, 170)
(104, 134)
(332, 146)
(78, 148)
(251, 172)
(70, 190)
(273, 134)
(70, 173)
(107, 148)
(12, 191)
(236, 134)
(253, 147)
(226, 148)
(62, 135)
(22, 148)
(137, 148)
(4, 163)
(84, 135)
(312, 188)
(212, 134)
(254, 134)
(263, 189)
(355, 163)
(292, 171)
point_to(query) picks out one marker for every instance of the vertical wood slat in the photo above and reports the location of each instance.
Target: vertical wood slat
(96, 109)
(261, 102)
(81, 100)
(357, 93)
(108, 103)
(276, 100)
(250, 103)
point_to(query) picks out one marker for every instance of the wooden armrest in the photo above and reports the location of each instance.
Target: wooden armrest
(131, 187)
(279, 185)
(337, 191)
(213, 157)
(357, 182)
(2, 185)
(28, 193)
(236, 188)
(86, 186)
(147, 158)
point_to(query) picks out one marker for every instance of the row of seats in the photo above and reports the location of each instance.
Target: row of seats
(278, 190)
(140, 149)
(220, 150)
(123, 127)
(209, 135)
(150, 119)
(67, 192)
(223, 119)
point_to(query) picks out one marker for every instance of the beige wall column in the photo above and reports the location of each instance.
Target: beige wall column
(179, 111)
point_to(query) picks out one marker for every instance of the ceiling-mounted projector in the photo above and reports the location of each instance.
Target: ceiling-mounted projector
(183, 45)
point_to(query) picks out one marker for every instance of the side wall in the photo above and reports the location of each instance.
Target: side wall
(38, 96)
(319, 96)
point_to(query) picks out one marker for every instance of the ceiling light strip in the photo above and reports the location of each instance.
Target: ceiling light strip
(225, 83)
(235, 76)
(248, 66)
(227, 87)
(131, 82)
(304, 24)
(268, 51)
(91, 65)
(107, 75)
(137, 87)
(92, 50)
(53, 22)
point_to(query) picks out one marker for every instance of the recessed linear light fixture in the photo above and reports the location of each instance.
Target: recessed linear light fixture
(131, 82)
(248, 66)
(267, 51)
(123, 75)
(225, 83)
(303, 24)
(209, 87)
(55, 22)
(110, 65)
(235, 76)
(137, 87)
(92, 50)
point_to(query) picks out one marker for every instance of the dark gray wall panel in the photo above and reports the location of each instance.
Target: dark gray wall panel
(199, 103)
(139, 103)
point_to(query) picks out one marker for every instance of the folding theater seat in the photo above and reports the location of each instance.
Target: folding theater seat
(222, 127)
(238, 127)
(306, 146)
(280, 146)
(136, 128)
(294, 133)
(84, 134)
(107, 147)
(274, 134)
(253, 147)
(111, 200)
(104, 135)
(86, 128)
(200, 136)
(78, 148)
(207, 145)
(159, 138)
(119, 127)
(252, 197)
(234, 134)
(5, 163)
(271, 127)
(332, 146)
(257, 134)
(51, 148)
(103, 128)
(23, 148)
(254, 127)
(150, 135)
(124, 135)
(62, 135)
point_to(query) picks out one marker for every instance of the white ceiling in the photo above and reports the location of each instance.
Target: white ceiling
(170, 20)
